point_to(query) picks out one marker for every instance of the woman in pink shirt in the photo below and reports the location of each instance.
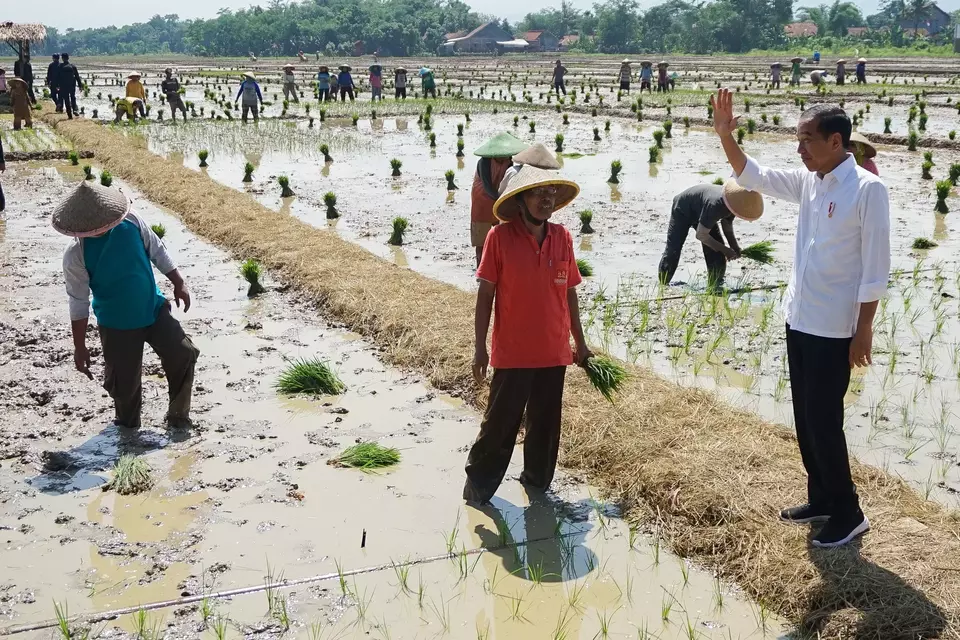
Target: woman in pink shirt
(376, 82)
(864, 151)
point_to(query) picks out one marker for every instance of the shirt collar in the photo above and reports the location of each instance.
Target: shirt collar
(843, 171)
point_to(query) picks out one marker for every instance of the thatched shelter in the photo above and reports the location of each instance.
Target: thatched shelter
(19, 36)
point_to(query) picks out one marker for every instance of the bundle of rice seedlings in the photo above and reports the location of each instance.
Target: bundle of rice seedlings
(159, 230)
(762, 252)
(566, 119)
(596, 134)
(130, 475)
(586, 217)
(654, 153)
(533, 126)
(74, 158)
(459, 130)
(248, 172)
(615, 168)
(718, 181)
(606, 126)
(741, 132)
(751, 126)
(923, 243)
(466, 115)
(203, 154)
(668, 128)
(106, 178)
(355, 118)
(606, 375)
(330, 200)
(395, 164)
(325, 150)
(558, 139)
(251, 272)
(954, 173)
(928, 156)
(399, 228)
(943, 190)
(584, 268)
(460, 145)
(516, 121)
(776, 120)
(87, 172)
(886, 124)
(285, 190)
(433, 141)
(450, 175)
(912, 139)
(658, 138)
(309, 376)
(368, 456)
(925, 170)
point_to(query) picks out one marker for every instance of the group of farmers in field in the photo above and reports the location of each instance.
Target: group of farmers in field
(62, 81)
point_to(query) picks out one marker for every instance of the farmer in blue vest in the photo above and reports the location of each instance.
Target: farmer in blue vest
(113, 256)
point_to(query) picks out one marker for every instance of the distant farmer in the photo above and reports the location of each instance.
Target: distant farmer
(400, 83)
(624, 75)
(428, 83)
(795, 71)
(137, 92)
(376, 82)
(818, 77)
(334, 86)
(663, 82)
(20, 101)
(345, 81)
(840, 272)
(290, 83)
(171, 89)
(113, 257)
(646, 76)
(323, 83)
(536, 311)
(559, 75)
(708, 208)
(495, 159)
(24, 71)
(249, 97)
(775, 69)
(862, 71)
(841, 71)
(69, 81)
(864, 152)
(129, 107)
(53, 77)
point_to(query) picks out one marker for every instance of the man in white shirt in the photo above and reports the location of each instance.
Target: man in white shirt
(840, 272)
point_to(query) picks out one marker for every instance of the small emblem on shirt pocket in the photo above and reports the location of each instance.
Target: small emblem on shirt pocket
(561, 277)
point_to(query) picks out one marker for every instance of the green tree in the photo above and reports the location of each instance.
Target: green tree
(617, 25)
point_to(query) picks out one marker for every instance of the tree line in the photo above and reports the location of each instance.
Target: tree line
(412, 27)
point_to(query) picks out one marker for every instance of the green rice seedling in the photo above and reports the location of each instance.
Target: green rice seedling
(220, 627)
(928, 157)
(368, 456)
(400, 225)
(203, 154)
(395, 165)
(323, 114)
(159, 230)
(206, 611)
(325, 150)
(402, 571)
(954, 173)
(654, 152)
(763, 117)
(596, 134)
(355, 118)
(615, 168)
(310, 377)
(666, 606)
(943, 190)
(606, 126)
(718, 592)
(88, 172)
(285, 190)
(330, 200)
(516, 121)
(516, 607)
(252, 272)
(741, 132)
(762, 252)
(922, 122)
(460, 145)
(450, 175)
(106, 178)
(886, 124)
(248, 169)
(140, 628)
(606, 375)
(668, 128)
(433, 140)
(344, 587)
(533, 126)
(912, 139)
(566, 119)
(586, 270)
(776, 120)
(605, 619)
(130, 475)
(923, 243)
(558, 139)
(586, 217)
(952, 134)
(74, 158)
(658, 137)
(718, 181)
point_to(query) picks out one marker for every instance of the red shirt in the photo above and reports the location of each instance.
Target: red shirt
(531, 323)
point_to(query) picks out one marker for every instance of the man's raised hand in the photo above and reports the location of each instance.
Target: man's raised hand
(724, 122)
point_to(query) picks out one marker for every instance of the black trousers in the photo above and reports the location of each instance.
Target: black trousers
(400, 92)
(344, 92)
(676, 237)
(538, 393)
(69, 98)
(819, 377)
(560, 86)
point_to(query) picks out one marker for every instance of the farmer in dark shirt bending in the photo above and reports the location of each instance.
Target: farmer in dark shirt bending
(708, 208)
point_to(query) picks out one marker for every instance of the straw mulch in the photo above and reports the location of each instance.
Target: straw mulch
(708, 477)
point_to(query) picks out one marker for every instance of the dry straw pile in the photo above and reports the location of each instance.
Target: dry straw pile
(709, 477)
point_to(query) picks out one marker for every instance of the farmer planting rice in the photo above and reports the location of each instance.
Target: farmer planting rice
(252, 99)
(323, 83)
(624, 75)
(775, 69)
(345, 82)
(376, 82)
(20, 101)
(495, 159)
(559, 73)
(795, 71)
(529, 268)
(663, 81)
(708, 208)
(400, 83)
(111, 257)
(861, 71)
(841, 71)
(136, 91)
(171, 89)
(128, 107)
(428, 83)
(290, 83)
(646, 76)
(840, 272)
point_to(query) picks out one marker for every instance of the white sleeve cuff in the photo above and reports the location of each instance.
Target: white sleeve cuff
(750, 177)
(872, 291)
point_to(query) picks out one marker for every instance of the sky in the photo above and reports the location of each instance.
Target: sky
(98, 13)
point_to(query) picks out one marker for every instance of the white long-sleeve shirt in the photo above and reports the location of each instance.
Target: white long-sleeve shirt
(842, 245)
(77, 277)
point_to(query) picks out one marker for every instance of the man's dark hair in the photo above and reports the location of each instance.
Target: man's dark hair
(830, 119)
(64, 56)
(57, 56)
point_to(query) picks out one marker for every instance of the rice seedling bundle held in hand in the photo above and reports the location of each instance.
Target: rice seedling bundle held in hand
(367, 456)
(159, 230)
(606, 375)
(309, 376)
(761, 252)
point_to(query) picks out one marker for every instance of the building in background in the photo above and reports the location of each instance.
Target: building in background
(566, 42)
(483, 39)
(541, 41)
(800, 29)
(935, 21)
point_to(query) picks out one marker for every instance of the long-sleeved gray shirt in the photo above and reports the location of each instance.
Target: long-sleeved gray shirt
(77, 278)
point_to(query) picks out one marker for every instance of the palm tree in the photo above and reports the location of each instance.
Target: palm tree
(917, 12)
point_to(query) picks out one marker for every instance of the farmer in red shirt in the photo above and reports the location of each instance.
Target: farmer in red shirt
(528, 266)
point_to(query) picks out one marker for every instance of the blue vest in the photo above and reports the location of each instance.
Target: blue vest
(125, 293)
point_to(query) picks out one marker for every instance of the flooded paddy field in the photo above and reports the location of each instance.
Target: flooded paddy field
(247, 497)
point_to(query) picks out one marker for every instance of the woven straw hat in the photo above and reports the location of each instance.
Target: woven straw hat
(537, 155)
(625, 61)
(507, 208)
(90, 210)
(841, 61)
(663, 63)
(796, 59)
(16, 80)
(288, 66)
(775, 64)
(863, 60)
(346, 67)
(743, 203)
(502, 145)
(134, 74)
(249, 74)
(869, 151)
(399, 69)
(646, 63)
(324, 69)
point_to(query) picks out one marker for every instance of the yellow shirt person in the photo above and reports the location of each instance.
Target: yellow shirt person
(135, 87)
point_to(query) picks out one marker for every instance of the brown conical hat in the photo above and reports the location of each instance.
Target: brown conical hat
(861, 60)
(796, 59)
(869, 151)
(507, 208)
(90, 210)
(537, 155)
(743, 203)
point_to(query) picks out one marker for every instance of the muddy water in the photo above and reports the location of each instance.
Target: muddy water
(247, 494)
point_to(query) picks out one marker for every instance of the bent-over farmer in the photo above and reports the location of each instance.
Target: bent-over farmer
(111, 257)
(708, 208)
(20, 101)
(495, 159)
(840, 272)
(529, 272)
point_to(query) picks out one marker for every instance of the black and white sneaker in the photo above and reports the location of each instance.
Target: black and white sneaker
(838, 532)
(804, 514)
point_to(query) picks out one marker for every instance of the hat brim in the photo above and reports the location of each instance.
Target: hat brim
(61, 219)
(862, 61)
(742, 203)
(869, 151)
(503, 145)
(507, 208)
(250, 76)
(796, 59)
